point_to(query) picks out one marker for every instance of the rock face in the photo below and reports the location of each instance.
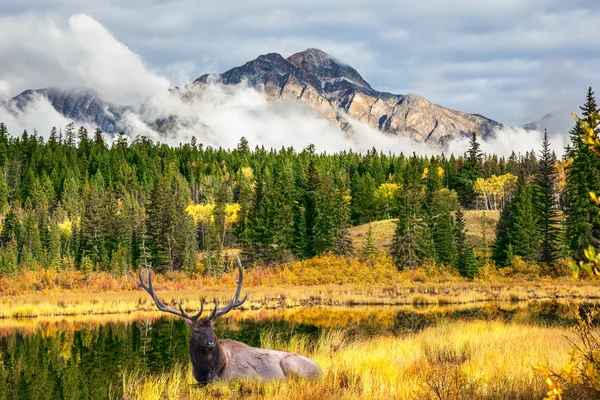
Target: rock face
(81, 105)
(335, 90)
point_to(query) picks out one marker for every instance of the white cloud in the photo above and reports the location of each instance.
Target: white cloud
(40, 116)
(36, 53)
(220, 115)
(510, 139)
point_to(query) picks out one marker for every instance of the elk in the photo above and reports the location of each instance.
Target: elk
(213, 358)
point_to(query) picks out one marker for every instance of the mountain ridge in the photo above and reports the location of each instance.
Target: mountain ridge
(333, 89)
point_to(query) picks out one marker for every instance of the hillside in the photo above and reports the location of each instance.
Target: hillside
(383, 231)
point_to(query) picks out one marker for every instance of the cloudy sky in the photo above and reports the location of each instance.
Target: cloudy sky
(510, 60)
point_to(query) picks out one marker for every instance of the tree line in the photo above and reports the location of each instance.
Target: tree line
(74, 201)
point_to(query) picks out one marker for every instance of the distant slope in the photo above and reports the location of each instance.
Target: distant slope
(80, 105)
(383, 231)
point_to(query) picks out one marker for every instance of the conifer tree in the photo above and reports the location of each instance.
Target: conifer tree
(471, 170)
(342, 242)
(3, 192)
(518, 226)
(466, 263)
(443, 238)
(583, 176)
(409, 244)
(309, 200)
(11, 228)
(369, 248)
(545, 205)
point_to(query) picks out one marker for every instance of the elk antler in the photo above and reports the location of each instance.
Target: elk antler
(160, 305)
(234, 302)
(193, 318)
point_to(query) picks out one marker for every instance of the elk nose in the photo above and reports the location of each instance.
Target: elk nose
(210, 344)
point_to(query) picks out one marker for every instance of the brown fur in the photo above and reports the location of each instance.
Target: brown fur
(230, 359)
(227, 359)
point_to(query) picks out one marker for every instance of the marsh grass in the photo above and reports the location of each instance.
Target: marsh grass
(456, 360)
(282, 297)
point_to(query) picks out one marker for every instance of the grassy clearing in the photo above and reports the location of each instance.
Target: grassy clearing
(453, 360)
(383, 231)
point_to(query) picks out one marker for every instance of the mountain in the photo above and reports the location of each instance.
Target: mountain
(335, 90)
(559, 121)
(80, 105)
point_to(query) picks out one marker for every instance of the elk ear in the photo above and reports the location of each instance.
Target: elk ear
(189, 322)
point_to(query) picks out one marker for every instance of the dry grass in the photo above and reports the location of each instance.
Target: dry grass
(383, 231)
(458, 360)
(286, 297)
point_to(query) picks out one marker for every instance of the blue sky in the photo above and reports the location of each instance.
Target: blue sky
(509, 60)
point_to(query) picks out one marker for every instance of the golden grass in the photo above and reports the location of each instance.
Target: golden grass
(285, 297)
(457, 360)
(383, 231)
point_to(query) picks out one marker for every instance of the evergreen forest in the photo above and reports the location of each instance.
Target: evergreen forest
(75, 202)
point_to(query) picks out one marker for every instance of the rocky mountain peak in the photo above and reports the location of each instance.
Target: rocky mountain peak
(324, 71)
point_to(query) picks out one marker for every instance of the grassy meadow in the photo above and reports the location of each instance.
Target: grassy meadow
(490, 356)
(454, 360)
(268, 289)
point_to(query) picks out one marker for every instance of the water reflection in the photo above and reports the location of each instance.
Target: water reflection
(85, 357)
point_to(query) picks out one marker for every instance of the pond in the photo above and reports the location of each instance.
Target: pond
(86, 357)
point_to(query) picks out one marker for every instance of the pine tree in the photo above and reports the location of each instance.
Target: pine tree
(409, 244)
(471, 170)
(309, 198)
(582, 225)
(545, 207)
(342, 242)
(362, 192)
(466, 263)
(443, 238)
(3, 192)
(11, 228)
(518, 226)
(369, 248)
(93, 222)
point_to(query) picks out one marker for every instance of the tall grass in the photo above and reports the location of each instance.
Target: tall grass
(457, 360)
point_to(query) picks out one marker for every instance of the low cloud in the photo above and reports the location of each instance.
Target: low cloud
(39, 117)
(509, 139)
(219, 115)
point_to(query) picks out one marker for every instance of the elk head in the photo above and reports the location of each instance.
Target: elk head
(203, 331)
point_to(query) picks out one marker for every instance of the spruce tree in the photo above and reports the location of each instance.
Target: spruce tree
(466, 263)
(369, 248)
(471, 170)
(443, 238)
(342, 242)
(409, 244)
(545, 205)
(3, 192)
(518, 226)
(582, 222)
